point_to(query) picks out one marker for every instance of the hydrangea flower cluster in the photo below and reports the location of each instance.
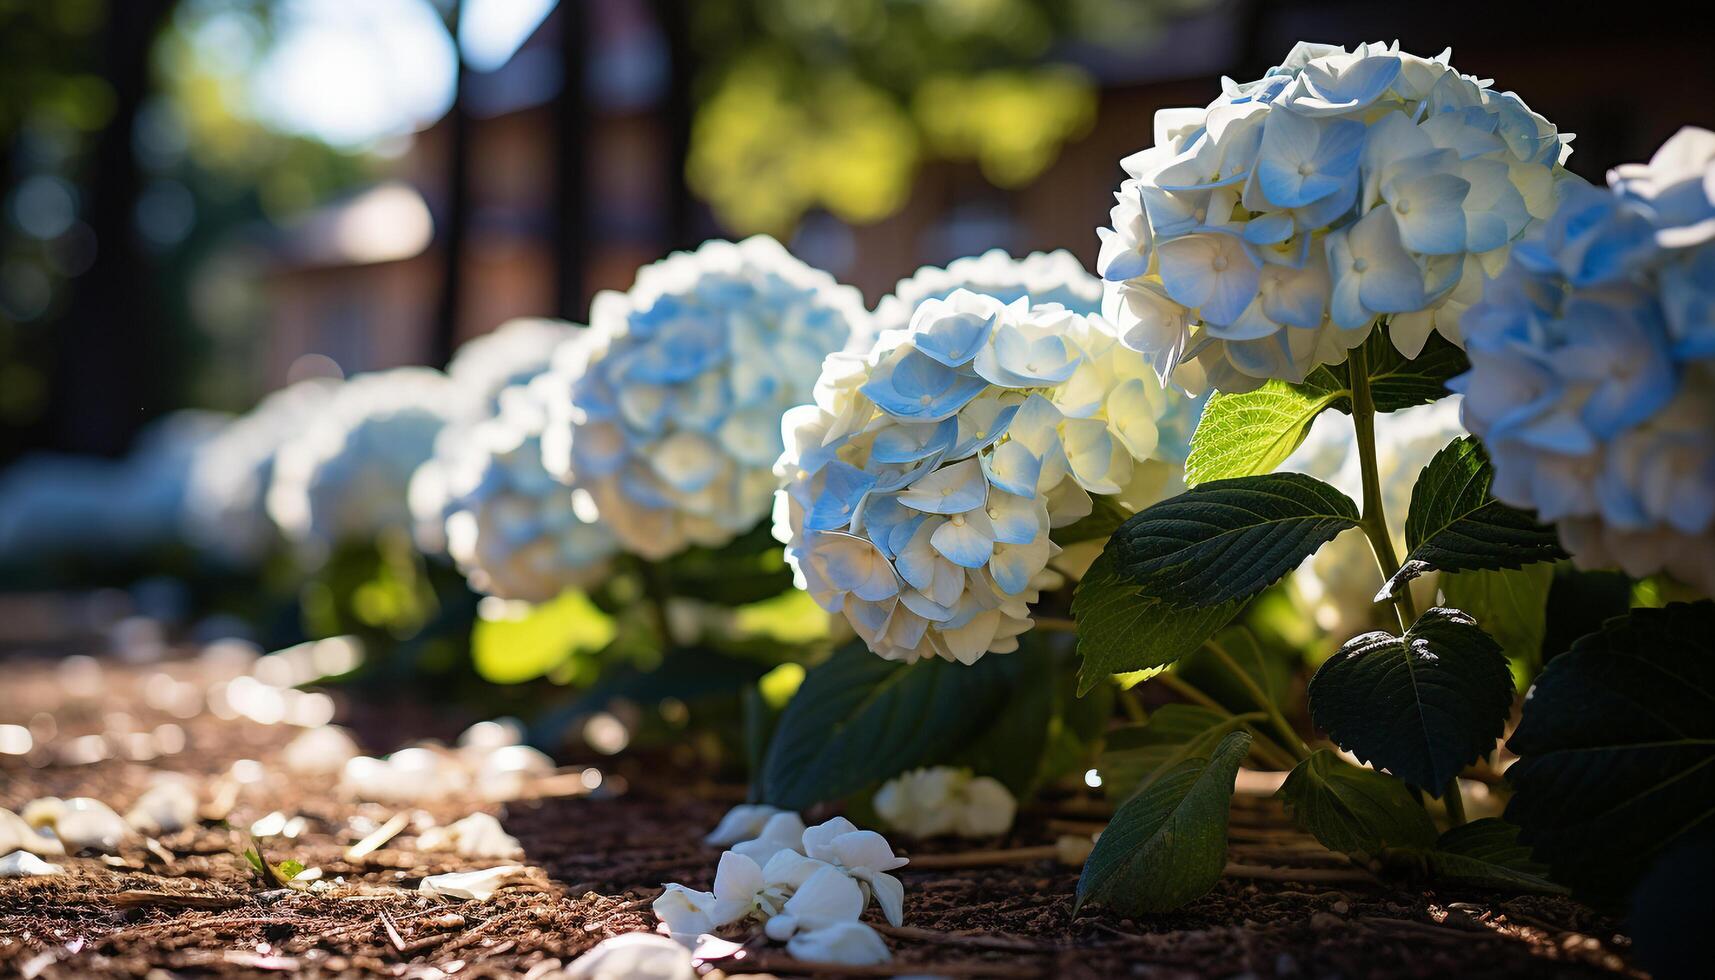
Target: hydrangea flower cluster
(345, 476)
(1040, 278)
(225, 510)
(1267, 233)
(674, 426)
(808, 886)
(946, 800)
(1338, 584)
(920, 488)
(514, 530)
(1592, 378)
(514, 353)
(510, 354)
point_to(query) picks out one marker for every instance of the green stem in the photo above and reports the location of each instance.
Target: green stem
(1374, 519)
(1265, 748)
(1133, 707)
(1055, 624)
(659, 591)
(1294, 743)
(1454, 802)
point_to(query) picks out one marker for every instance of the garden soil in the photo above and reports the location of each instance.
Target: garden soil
(191, 906)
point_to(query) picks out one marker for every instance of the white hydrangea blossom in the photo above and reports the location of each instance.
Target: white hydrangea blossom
(946, 800)
(1338, 584)
(920, 488)
(1042, 278)
(514, 353)
(674, 426)
(514, 530)
(510, 354)
(1267, 233)
(807, 886)
(225, 510)
(345, 476)
(1592, 381)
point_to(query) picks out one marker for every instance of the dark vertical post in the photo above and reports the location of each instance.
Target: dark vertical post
(572, 229)
(110, 372)
(677, 112)
(453, 221)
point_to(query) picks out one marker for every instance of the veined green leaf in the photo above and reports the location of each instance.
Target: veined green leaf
(1353, 809)
(1120, 630)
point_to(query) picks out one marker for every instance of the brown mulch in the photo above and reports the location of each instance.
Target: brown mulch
(596, 861)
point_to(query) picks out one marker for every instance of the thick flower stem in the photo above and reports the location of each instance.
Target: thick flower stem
(659, 591)
(1294, 743)
(1265, 748)
(1454, 802)
(1374, 518)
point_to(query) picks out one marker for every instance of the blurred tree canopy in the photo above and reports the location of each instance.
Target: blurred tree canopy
(834, 104)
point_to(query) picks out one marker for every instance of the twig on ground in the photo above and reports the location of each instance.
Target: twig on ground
(1324, 876)
(142, 899)
(381, 836)
(1003, 943)
(983, 859)
(393, 936)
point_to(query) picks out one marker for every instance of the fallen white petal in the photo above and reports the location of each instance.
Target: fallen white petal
(846, 943)
(23, 864)
(319, 751)
(474, 885)
(634, 956)
(16, 834)
(168, 806)
(479, 835)
(741, 823)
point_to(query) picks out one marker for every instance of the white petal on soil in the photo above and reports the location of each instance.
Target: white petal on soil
(320, 751)
(16, 834)
(634, 956)
(474, 885)
(479, 835)
(166, 807)
(848, 943)
(82, 823)
(23, 864)
(741, 823)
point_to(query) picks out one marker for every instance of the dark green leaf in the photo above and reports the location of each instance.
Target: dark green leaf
(749, 569)
(1422, 707)
(1353, 809)
(1119, 630)
(1487, 854)
(1510, 603)
(1137, 755)
(1010, 748)
(1617, 748)
(1103, 520)
(1455, 524)
(858, 719)
(1250, 434)
(1168, 844)
(684, 674)
(1396, 382)
(1230, 539)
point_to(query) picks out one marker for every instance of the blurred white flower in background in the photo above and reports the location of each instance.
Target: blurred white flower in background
(225, 511)
(56, 507)
(345, 476)
(946, 800)
(510, 354)
(1592, 380)
(1265, 234)
(1338, 584)
(920, 488)
(673, 425)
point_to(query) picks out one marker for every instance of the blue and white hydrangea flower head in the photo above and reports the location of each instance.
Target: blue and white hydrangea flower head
(920, 488)
(674, 425)
(1269, 232)
(1592, 378)
(510, 354)
(345, 476)
(515, 531)
(225, 512)
(482, 368)
(1337, 585)
(1041, 278)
